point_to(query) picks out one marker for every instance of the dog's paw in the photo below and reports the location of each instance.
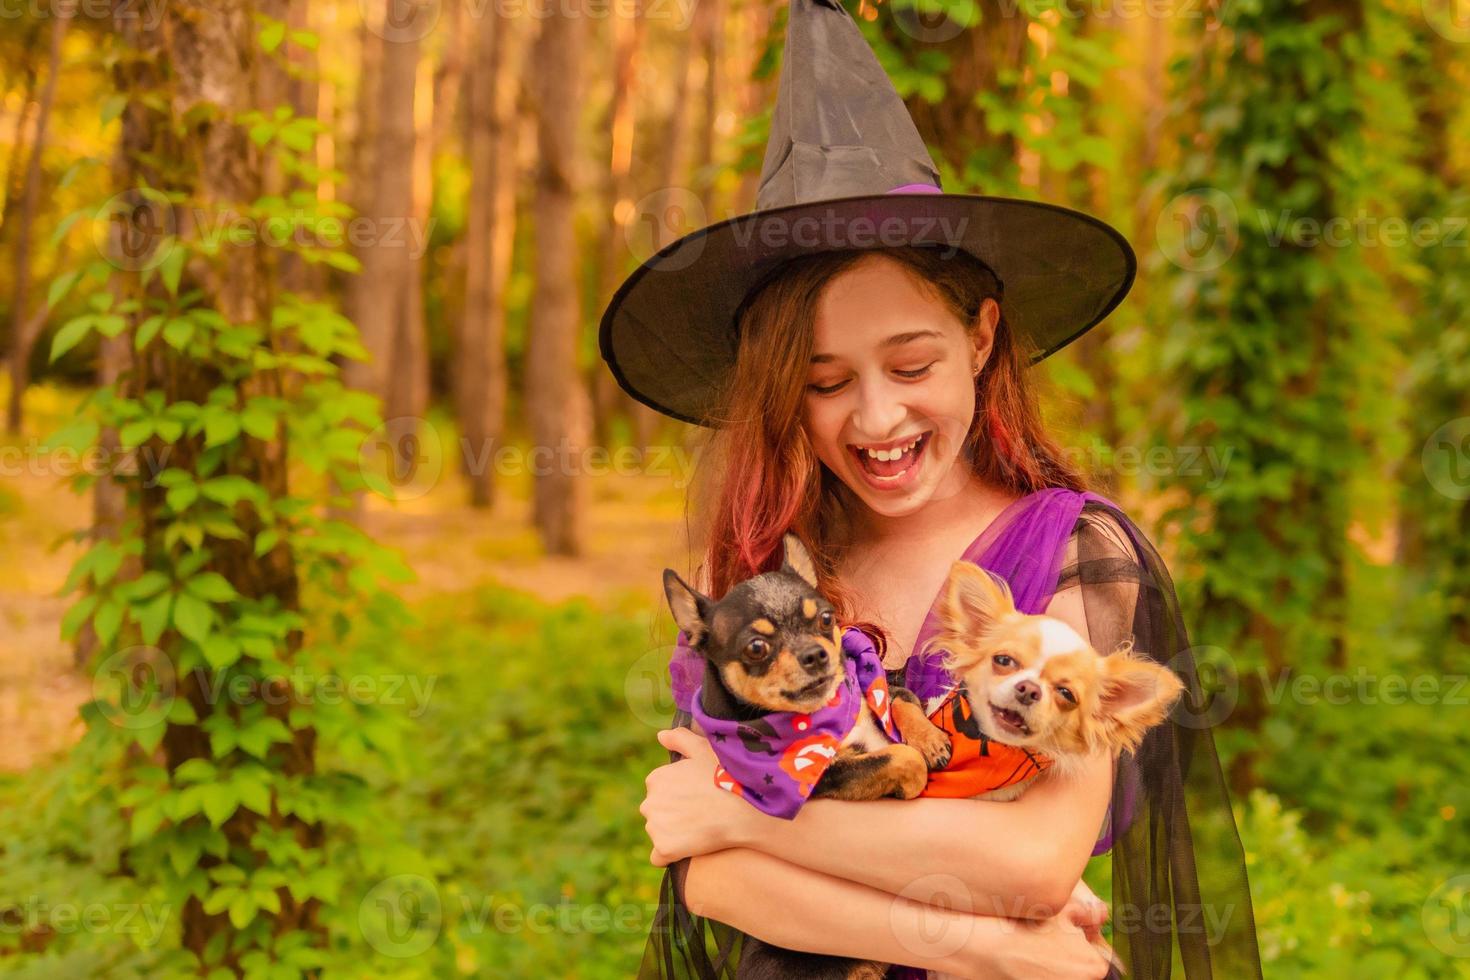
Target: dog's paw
(933, 744)
(910, 775)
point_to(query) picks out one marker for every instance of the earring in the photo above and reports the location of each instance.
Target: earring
(975, 369)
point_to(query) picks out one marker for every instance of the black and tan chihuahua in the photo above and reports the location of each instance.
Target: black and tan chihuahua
(772, 643)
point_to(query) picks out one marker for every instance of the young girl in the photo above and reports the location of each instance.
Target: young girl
(879, 407)
(859, 346)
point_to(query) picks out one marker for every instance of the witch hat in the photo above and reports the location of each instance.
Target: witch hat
(845, 168)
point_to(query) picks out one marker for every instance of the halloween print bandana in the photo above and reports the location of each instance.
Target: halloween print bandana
(774, 761)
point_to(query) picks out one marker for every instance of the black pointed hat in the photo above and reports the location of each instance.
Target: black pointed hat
(845, 168)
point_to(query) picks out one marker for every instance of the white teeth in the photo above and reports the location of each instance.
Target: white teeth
(889, 455)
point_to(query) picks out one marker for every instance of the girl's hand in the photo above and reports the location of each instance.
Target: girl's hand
(1086, 911)
(1053, 948)
(684, 812)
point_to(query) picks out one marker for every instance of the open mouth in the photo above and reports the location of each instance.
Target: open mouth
(1010, 721)
(891, 467)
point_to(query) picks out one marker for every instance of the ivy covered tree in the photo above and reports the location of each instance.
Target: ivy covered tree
(222, 601)
(1270, 345)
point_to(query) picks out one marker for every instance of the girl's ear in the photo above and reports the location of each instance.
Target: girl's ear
(798, 560)
(1137, 694)
(689, 606)
(983, 335)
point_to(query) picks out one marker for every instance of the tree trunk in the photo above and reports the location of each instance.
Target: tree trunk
(22, 330)
(210, 50)
(556, 401)
(628, 34)
(480, 379)
(386, 294)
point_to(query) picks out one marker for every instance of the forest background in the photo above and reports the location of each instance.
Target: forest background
(308, 665)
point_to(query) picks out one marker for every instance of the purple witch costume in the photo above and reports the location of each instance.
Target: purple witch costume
(1171, 835)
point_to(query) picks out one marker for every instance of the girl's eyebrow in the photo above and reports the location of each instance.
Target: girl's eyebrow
(897, 340)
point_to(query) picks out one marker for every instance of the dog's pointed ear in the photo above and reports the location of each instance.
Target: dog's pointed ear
(689, 606)
(1137, 694)
(798, 560)
(976, 596)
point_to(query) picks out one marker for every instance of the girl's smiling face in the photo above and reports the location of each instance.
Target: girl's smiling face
(890, 390)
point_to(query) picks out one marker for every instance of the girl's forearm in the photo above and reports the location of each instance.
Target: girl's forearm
(802, 909)
(1018, 859)
(932, 850)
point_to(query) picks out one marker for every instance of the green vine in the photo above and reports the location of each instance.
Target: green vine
(224, 602)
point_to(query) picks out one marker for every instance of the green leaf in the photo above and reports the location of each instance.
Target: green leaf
(242, 910)
(172, 268)
(77, 435)
(220, 800)
(136, 433)
(259, 737)
(61, 285)
(178, 332)
(181, 712)
(255, 793)
(211, 587)
(73, 332)
(64, 226)
(112, 107)
(147, 330)
(271, 35)
(344, 261)
(195, 771)
(153, 617)
(219, 428)
(229, 490)
(146, 820)
(77, 614)
(219, 650)
(107, 621)
(192, 617)
(265, 541)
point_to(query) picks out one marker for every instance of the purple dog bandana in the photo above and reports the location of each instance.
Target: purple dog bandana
(774, 761)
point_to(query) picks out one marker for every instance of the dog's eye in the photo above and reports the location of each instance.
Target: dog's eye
(758, 648)
(1003, 660)
(826, 619)
(1066, 692)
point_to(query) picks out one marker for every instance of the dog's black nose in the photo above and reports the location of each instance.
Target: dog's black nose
(1028, 692)
(814, 659)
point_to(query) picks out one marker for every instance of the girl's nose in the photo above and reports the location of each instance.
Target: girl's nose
(879, 412)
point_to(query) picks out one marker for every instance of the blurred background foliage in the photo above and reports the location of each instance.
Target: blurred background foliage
(1283, 402)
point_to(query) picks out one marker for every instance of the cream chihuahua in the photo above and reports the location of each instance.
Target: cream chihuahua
(1034, 681)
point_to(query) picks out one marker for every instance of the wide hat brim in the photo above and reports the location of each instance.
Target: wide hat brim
(669, 334)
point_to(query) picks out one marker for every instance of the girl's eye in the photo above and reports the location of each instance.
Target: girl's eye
(826, 619)
(827, 389)
(916, 372)
(1066, 692)
(758, 648)
(1003, 660)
